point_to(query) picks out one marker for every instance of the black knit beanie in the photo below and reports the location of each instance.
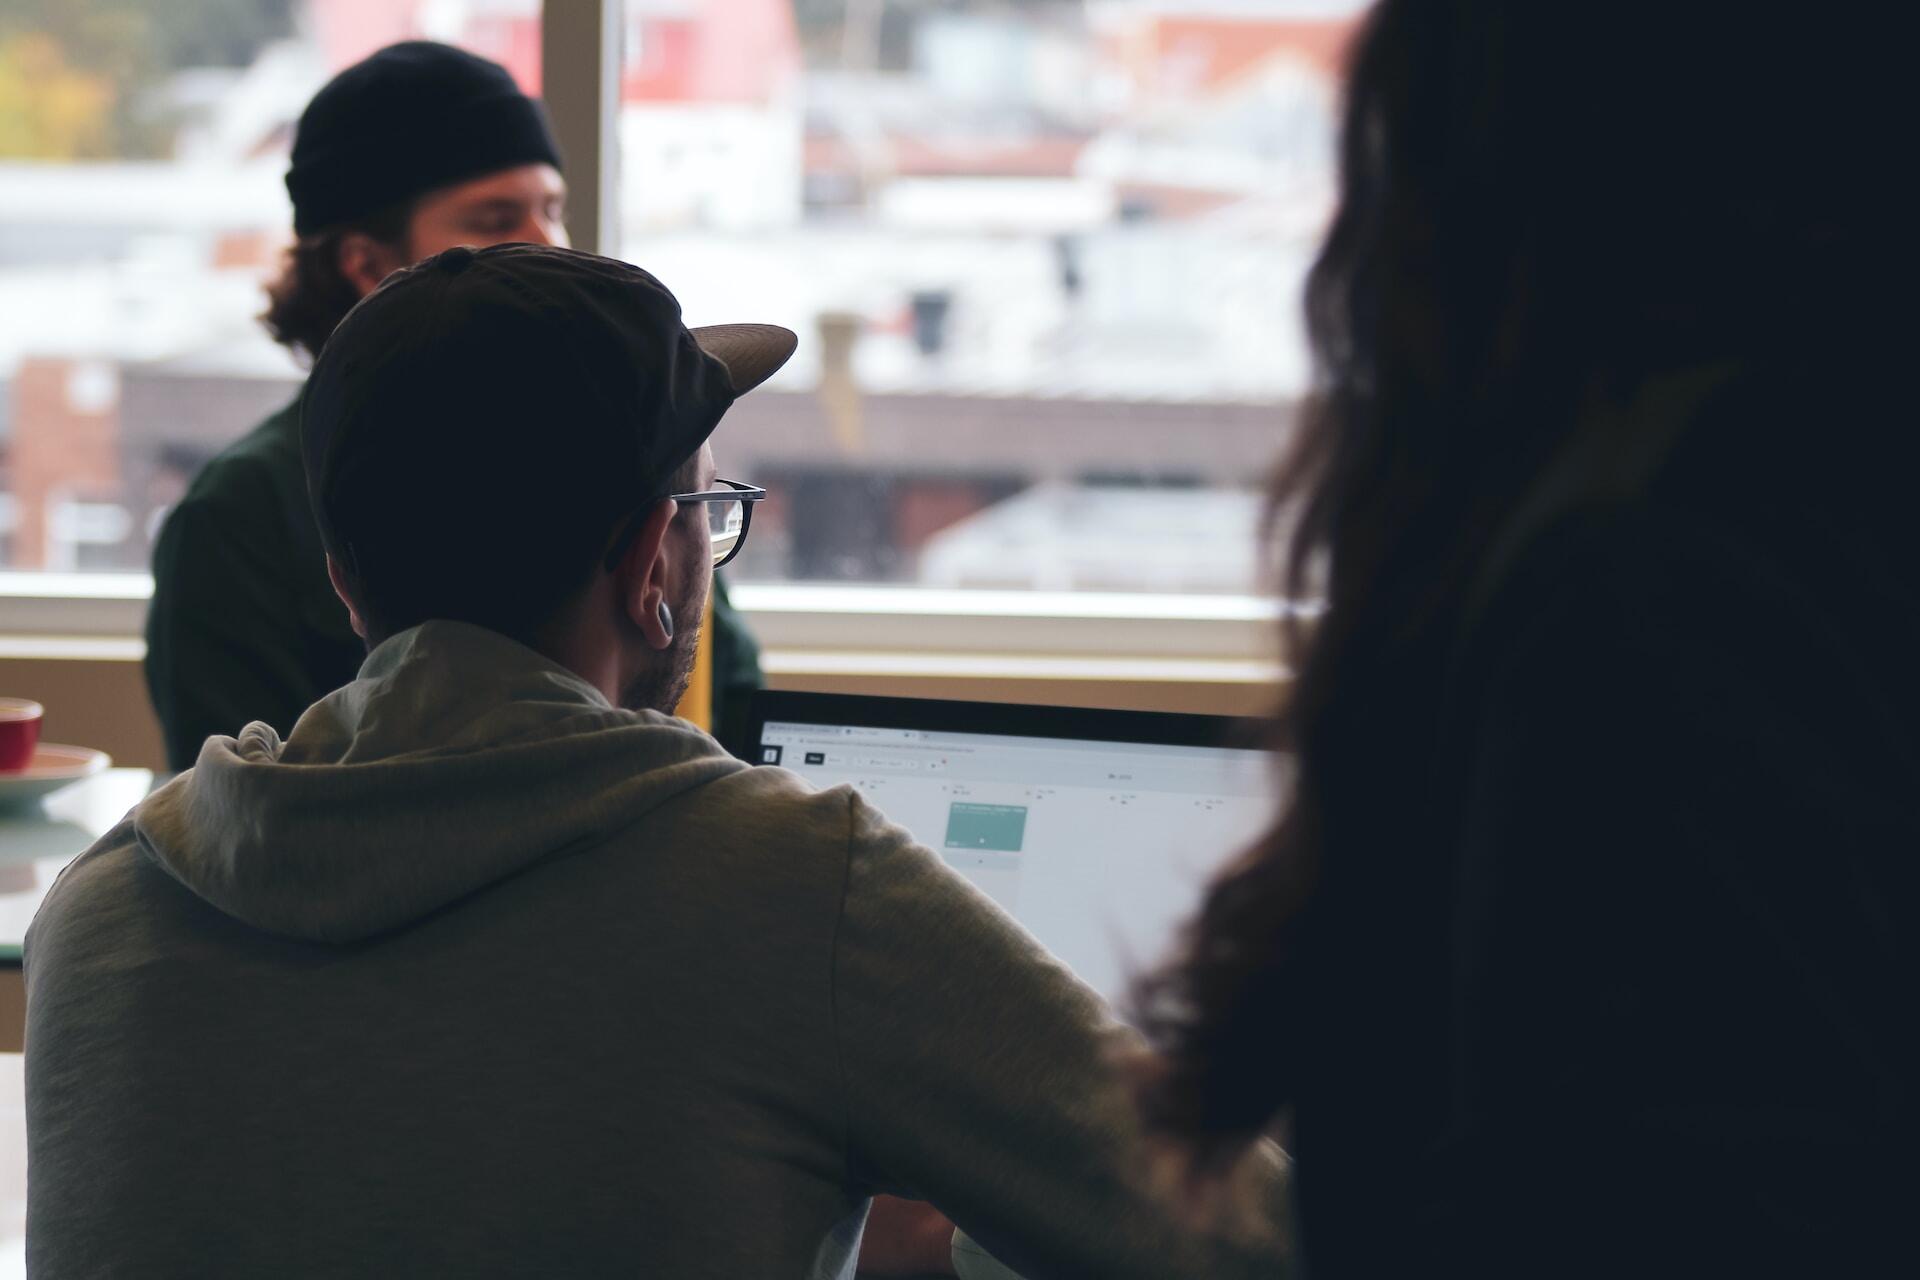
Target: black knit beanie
(403, 121)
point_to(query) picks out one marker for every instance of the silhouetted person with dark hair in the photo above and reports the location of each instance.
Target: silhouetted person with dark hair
(1585, 942)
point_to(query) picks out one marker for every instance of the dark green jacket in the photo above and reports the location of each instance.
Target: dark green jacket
(244, 625)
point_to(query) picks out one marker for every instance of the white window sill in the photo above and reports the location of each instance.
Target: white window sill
(810, 628)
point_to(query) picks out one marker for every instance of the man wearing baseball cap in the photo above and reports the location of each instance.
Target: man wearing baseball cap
(416, 149)
(492, 968)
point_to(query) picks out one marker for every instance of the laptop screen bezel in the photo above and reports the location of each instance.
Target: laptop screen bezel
(1005, 719)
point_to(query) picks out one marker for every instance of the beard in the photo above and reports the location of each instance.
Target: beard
(664, 683)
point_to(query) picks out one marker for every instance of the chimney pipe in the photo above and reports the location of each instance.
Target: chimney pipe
(839, 391)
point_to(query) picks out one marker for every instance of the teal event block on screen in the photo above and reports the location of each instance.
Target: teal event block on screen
(999, 827)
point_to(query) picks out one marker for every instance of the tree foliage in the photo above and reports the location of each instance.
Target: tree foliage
(77, 77)
(49, 109)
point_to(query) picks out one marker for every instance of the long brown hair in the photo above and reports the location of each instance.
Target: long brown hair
(311, 296)
(1540, 211)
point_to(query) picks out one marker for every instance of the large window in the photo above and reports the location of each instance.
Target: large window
(1044, 258)
(143, 146)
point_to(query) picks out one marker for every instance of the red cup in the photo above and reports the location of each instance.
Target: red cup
(19, 733)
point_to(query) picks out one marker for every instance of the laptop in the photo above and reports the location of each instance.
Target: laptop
(1096, 830)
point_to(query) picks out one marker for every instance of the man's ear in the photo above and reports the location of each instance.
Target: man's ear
(365, 261)
(643, 573)
(338, 578)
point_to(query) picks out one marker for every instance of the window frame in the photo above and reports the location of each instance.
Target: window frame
(963, 632)
(929, 630)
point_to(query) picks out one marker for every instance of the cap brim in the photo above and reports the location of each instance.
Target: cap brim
(752, 353)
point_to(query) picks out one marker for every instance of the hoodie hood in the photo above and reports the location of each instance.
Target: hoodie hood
(457, 758)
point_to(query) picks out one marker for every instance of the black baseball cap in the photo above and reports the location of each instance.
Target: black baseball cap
(484, 419)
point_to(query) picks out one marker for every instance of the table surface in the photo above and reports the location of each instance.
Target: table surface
(13, 1167)
(38, 840)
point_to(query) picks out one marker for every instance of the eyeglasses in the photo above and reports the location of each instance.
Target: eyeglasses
(729, 513)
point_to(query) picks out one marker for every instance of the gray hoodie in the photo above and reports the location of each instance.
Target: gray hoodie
(477, 975)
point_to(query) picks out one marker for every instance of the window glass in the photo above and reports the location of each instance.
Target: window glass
(143, 146)
(1044, 259)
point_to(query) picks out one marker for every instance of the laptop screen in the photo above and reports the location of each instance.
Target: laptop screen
(1100, 845)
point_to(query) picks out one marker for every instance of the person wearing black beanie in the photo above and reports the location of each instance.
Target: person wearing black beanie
(415, 149)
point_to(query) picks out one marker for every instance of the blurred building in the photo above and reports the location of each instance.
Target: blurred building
(1055, 246)
(1060, 537)
(710, 118)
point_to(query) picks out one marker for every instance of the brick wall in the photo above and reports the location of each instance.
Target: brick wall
(66, 443)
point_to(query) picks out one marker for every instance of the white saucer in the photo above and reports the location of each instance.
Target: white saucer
(53, 766)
